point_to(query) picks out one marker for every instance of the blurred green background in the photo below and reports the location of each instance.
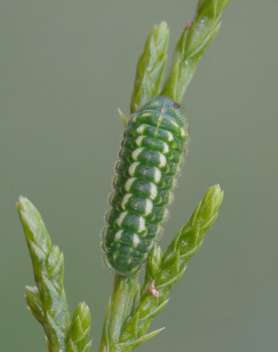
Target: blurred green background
(65, 68)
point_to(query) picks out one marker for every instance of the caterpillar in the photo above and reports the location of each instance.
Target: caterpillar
(152, 149)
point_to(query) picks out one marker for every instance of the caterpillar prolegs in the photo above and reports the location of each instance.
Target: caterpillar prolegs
(152, 150)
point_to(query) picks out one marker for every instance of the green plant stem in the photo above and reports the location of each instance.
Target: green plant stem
(118, 309)
(47, 302)
(194, 40)
(151, 67)
(79, 330)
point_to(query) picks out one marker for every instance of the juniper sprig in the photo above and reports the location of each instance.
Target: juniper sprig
(162, 272)
(151, 67)
(47, 301)
(196, 37)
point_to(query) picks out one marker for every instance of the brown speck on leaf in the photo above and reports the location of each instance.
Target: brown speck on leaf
(153, 291)
(188, 24)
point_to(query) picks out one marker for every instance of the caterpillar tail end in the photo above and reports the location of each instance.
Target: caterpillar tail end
(123, 270)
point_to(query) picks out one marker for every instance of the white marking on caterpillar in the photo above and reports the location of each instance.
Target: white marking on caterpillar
(141, 128)
(142, 224)
(125, 199)
(165, 148)
(118, 235)
(136, 240)
(173, 123)
(121, 218)
(139, 140)
(129, 183)
(149, 207)
(157, 175)
(132, 168)
(153, 191)
(170, 136)
(136, 153)
(162, 160)
(153, 291)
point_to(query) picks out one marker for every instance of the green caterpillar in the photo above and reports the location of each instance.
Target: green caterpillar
(152, 150)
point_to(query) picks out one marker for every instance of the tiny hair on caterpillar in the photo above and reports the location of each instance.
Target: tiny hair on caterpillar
(152, 150)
